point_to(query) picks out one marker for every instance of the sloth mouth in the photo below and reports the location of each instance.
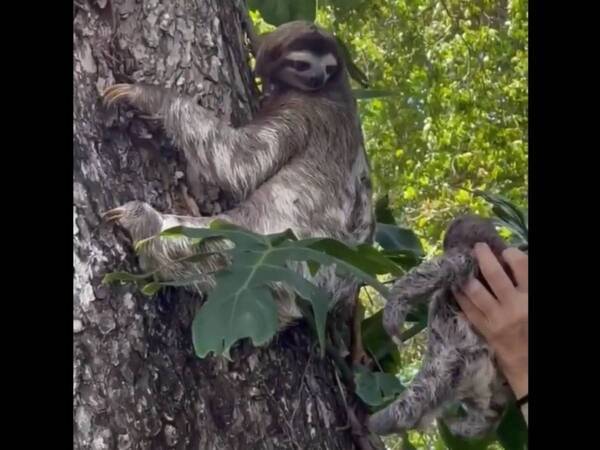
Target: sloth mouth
(313, 88)
(316, 83)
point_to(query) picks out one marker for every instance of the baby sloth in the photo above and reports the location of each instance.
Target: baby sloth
(459, 366)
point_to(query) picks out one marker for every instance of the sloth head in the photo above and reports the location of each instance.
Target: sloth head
(299, 55)
(466, 231)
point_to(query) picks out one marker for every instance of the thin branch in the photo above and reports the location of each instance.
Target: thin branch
(412, 331)
(250, 31)
(457, 26)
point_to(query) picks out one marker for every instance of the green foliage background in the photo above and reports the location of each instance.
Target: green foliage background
(459, 119)
(455, 119)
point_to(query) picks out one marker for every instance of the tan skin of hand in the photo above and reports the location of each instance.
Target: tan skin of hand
(501, 316)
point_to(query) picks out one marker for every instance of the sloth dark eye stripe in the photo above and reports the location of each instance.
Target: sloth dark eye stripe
(298, 65)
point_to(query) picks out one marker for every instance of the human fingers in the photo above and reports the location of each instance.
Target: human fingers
(493, 272)
(471, 312)
(477, 293)
(518, 261)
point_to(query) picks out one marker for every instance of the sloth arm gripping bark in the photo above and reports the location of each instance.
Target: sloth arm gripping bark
(239, 159)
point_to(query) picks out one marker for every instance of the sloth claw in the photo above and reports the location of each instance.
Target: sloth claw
(117, 92)
(114, 215)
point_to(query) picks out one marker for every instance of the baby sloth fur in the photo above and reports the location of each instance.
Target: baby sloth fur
(459, 366)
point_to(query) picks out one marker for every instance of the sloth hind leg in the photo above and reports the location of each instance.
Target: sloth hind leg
(476, 422)
(429, 391)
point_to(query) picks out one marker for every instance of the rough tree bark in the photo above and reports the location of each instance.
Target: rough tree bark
(136, 381)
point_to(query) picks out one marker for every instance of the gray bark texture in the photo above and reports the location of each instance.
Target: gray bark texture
(136, 381)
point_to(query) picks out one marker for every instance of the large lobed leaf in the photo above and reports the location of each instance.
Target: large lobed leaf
(242, 305)
(376, 389)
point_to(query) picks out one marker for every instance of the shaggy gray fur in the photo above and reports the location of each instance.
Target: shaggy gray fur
(459, 365)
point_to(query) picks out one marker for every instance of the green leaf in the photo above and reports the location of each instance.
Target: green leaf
(363, 257)
(517, 237)
(151, 288)
(249, 313)
(365, 94)
(313, 267)
(512, 432)
(406, 444)
(241, 305)
(302, 251)
(419, 314)
(507, 212)
(376, 388)
(277, 12)
(220, 229)
(378, 343)
(346, 4)
(256, 262)
(125, 276)
(278, 238)
(308, 291)
(459, 443)
(398, 239)
(406, 260)
(383, 213)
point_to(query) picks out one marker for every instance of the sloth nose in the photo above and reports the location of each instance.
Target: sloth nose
(316, 81)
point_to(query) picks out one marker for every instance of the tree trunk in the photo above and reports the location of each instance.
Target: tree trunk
(136, 381)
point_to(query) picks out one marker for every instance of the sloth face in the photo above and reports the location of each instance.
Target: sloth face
(307, 70)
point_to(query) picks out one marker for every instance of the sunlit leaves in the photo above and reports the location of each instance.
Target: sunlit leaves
(277, 12)
(442, 114)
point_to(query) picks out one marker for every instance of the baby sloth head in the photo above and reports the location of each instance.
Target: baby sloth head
(466, 231)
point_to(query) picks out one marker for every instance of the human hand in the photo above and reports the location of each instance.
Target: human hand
(501, 316)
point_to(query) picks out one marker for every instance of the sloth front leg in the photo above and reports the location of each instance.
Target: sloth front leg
(420, 283)
(167, 256)
(237, 159)
(146, 98)
(476, 422)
